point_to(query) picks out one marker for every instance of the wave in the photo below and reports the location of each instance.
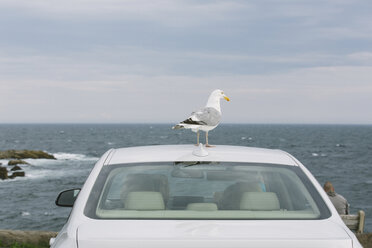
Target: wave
(314, 154)
(72, 163)
(4, 162)
(25, 213)
(73, 156)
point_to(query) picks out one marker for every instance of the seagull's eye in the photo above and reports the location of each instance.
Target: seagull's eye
(221, 92)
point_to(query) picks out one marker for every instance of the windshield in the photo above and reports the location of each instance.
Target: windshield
(204, 190)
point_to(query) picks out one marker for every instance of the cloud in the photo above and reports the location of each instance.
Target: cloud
(166, 12)
(279, 61)
(320, 94)
(363, 57)
(110, 64)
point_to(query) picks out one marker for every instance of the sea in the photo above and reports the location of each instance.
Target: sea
(341, 154)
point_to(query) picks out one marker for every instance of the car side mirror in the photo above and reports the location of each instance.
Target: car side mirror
(67, 198)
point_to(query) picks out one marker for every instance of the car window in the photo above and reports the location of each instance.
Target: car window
(204, 190)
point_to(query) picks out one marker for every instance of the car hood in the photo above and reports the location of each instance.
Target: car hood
(211, 233)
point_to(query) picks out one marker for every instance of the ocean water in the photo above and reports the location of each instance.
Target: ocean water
(341, 154)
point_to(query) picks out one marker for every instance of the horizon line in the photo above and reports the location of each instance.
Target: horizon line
(170, 123)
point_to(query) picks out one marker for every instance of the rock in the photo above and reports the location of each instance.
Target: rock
(15, 162)
(15, 168)
(28, 238)
(365, 239)
(3, 173)
(17, 174)
(22, 154)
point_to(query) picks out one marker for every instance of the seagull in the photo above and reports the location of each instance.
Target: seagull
(205, 119)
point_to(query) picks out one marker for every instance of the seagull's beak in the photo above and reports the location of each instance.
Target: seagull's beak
(226, 98)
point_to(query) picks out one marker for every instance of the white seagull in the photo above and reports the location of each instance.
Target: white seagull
(205, 119)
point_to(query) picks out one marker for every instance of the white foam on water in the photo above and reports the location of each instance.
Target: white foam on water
(73, 156)
(24, 213)
(45, 168)
(10, 180)
(314, 154)
(33, 174)
(4, 162)
(60, 157)
(40, 161)
(36, 173)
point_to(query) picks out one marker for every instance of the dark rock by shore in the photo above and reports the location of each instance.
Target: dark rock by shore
(23, 154)
(17, 161)
(17, 174)
(16, 157)
(15, 168)
(3, 173)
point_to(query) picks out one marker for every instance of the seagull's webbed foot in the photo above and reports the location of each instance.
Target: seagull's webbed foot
(208, 145)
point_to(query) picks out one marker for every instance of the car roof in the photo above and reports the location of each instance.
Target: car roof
(164, 153)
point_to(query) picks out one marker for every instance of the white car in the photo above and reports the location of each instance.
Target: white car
(188, 196)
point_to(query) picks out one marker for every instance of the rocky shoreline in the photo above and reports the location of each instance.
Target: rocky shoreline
(41, 238)
(15, 158)
(23, 154)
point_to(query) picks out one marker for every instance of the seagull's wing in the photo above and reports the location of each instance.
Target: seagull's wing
(206, 116)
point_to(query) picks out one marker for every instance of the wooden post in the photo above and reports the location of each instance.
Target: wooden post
(362, 216)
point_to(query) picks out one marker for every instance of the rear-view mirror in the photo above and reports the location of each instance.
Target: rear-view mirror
(67, 198)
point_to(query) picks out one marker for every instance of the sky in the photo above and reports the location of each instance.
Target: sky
(140, 61)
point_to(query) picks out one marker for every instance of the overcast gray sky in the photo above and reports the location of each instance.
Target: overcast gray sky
(117, 61)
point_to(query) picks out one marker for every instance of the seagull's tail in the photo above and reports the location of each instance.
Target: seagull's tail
(181, 125)
(178, 126)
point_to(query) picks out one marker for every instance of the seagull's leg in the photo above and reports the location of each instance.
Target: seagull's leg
(206, 140)
(197, 138)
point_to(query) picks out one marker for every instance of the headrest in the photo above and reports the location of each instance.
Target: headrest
(232, 195)
(146, 182)
(264, 201)
(144, 200)
(202, 206)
